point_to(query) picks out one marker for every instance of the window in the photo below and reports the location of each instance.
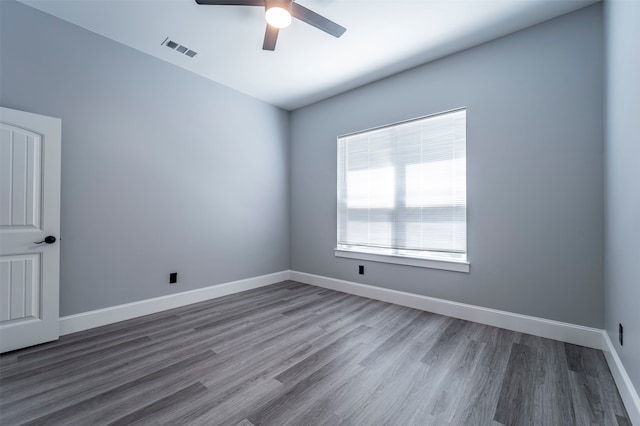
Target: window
(402, 193)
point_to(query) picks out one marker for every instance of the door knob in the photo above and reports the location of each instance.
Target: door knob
(48, 240)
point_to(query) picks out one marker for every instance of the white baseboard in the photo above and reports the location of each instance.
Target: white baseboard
(623, 381)
(565, 332)
(99, 317)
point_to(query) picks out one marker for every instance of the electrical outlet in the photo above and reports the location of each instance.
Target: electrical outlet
(621, 334)
(361, 269)
(173, 277)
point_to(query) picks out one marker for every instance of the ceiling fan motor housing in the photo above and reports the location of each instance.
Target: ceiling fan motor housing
(284, 4)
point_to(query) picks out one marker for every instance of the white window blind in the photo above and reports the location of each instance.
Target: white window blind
(402, 189)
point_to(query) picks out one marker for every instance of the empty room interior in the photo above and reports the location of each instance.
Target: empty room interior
(319, 212)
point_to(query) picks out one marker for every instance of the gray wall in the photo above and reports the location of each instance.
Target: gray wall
(622, 283)
(535, 172)
(162, 170)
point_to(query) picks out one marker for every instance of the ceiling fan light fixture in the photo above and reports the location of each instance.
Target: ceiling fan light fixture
(277, 13)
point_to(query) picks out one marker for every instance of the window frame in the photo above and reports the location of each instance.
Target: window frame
(427, 259)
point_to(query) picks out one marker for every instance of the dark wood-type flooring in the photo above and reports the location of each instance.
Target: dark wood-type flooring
(293, 354)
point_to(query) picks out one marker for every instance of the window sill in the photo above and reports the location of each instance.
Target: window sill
(408, 261)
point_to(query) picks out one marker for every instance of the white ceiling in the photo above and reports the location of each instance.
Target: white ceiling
(383, 37)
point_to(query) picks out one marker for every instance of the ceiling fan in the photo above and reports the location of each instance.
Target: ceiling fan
(278, 14)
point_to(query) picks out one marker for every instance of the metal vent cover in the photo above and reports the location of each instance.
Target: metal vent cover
(178, 47)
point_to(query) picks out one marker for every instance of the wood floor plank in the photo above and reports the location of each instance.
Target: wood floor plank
(458, 381)
(359, 392)
(583, 360)
(231, 410)
(258, 364)
(319, 383)
(139, 394)
(60, 367)
(355, 314)
(323, 410)
(293, 354)
(388, 398)
(586, 399)
(309, 364)
(415, 410)
(163, 404)
(311, 306)
(447, 341)
(111, 365)
(552, 404)
(623, 421)
(398, 340)
(75, 389)
(86, 407)
(478, 405)
(111, 371)
(515, 405)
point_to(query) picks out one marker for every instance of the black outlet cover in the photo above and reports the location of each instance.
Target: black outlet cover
(361, 269)
(621, 334)
(173, 277)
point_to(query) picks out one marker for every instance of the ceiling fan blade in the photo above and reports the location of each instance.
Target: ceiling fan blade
(270, 38)
(318, 21)
(232, 2)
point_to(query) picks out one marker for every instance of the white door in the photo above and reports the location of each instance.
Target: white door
(29, 228)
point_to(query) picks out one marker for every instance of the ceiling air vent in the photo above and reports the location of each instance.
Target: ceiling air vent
(179, 48)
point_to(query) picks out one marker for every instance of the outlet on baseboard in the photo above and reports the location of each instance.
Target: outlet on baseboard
(173, 277)
(361, 269)
(621, 334)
